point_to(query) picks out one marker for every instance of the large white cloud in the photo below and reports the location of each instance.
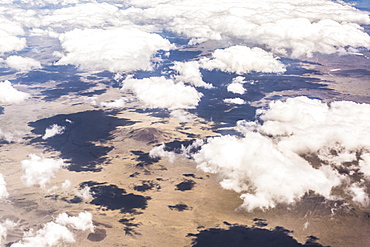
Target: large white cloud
(22, 63)
(242, 59)
(38, 170)
(116, 49)
(294, 146)
(58, 232)
(304, 26)
(159, 92)
(10, 95)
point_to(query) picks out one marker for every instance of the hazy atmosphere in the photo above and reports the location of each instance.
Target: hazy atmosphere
(185, 123)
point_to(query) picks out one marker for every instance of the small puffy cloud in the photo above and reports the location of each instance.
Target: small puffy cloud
(81, 222)
(39, 170)
(189, 72)
(242, 59)
(159, 152)
(118, 103)
(22, 63)
(236, 101)
(115, 49)
(66, 184)
(3, 191)
(182, 116)
(58, 232)
(53, 130)
(236, 86)
(159, 92)
(84, 193)
(10, 95)
(359, 194)
(4, 226)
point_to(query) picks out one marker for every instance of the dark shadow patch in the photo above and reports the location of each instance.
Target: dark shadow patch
(147, 185)
(188, 184)
(98, 235)
(1, 110)
(144, 159)
(129, 228)
(180, 207)
(241, 236)
(112, 197)
(134, 175)
(259, 222)
(192, 176)
(82, 131)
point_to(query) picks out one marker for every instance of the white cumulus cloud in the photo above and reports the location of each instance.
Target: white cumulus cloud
(53, 130)
(189, 72)
(159, 92)
(116, 49)
(38, 170)
(3, 191)
(58, 232)
(270, 165)
(302, 27)
(10, 95)
(236, 101)
(242, 59)
(22, 63)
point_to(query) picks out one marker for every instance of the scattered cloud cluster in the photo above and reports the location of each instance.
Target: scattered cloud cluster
(116, 49)
(159, 92)
(57, 232)
(38, 170)
(10, 95)
(53, 130)
(303, 27)
(9, 35)
(271, 163)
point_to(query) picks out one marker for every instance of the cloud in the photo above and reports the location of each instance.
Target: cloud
(22, 63)
(242, 59)
(236, 86)
(4, 226)
(10, 95)
(294, 146)
(189, 72)
(39, 170)
(84, 193)
(182, 116)
(116, 49)
(58, 232)
(53, 130)
(3, 191)
(9, 32)
(304, 27)
(81, 222)
(159, 92)
(118, 103)
(159, 152)
(236, 101)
